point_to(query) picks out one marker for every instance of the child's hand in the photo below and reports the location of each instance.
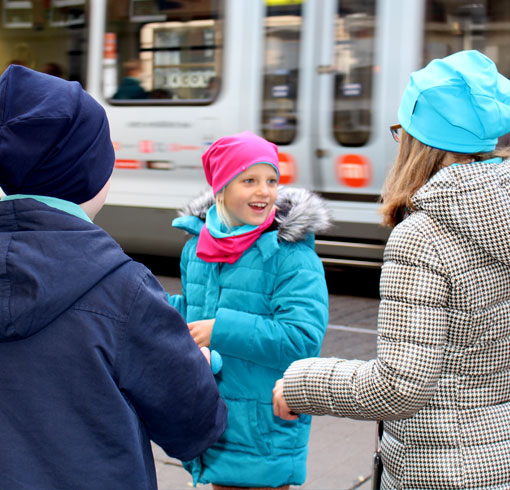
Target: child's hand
(213, 358)
(207, 354)
(280, 407)
(201, 331)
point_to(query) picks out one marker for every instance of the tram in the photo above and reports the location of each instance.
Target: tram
(320, 78)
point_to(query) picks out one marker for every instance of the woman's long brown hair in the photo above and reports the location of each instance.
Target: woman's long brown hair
(416, 163)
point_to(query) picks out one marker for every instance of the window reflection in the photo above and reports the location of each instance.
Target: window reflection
(167, 52)
(280, 89)
(354, 54)
(50, 37)
(455, 25)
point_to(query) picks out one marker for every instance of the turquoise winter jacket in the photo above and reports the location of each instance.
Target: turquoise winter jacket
(271, 308)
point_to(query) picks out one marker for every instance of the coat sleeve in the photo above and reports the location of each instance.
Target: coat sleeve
(178, 301)
(412, 329)
(166, 378)
(296, 327)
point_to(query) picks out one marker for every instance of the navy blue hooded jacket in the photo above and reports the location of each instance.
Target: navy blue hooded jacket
(94, 362)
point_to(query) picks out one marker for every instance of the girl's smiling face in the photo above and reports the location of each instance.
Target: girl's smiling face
(250, 197)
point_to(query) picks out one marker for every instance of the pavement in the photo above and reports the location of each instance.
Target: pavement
(340, 458)
(340, 449)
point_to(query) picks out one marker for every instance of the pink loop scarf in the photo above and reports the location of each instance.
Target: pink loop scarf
(227, 248)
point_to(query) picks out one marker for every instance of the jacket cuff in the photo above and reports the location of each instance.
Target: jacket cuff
(300, 381)
(322, 386)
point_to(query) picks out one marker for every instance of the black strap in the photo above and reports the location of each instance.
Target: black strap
(377, 467)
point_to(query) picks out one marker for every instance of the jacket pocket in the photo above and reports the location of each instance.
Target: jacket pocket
(243, 430)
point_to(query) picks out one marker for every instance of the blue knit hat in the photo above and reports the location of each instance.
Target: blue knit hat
(459, 103)
(54, 137)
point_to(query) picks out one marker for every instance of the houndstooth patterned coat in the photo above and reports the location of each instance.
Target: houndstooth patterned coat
(441, 380)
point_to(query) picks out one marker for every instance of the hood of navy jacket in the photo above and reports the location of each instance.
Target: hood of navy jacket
(299, 212)
(472, 200)
(48, 260)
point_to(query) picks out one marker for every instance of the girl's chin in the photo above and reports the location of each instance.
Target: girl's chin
(254, 219)
(258, 220)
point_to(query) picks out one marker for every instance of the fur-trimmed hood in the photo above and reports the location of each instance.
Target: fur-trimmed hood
(299, 212)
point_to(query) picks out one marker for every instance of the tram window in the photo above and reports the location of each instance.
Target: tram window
(354, 69)
(456, 25)
(280, 82)
(162, 52)
(50, 37)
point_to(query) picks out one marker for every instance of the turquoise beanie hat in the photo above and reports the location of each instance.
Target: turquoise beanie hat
(459, 103)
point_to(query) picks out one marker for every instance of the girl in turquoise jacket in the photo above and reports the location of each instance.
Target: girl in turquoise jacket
(254, 291)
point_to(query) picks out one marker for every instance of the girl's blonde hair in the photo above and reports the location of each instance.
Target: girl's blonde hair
(221, 209)
(416, 163)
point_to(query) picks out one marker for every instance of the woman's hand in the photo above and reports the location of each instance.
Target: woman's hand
(201, 331)
(280, 407)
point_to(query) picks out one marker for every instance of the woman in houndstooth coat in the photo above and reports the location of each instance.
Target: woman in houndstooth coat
(441, 379)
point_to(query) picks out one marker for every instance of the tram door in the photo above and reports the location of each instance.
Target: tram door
(328, 105)
(359, 64)
(362, 65)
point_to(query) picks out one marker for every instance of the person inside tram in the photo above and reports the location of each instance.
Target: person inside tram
(130, 87)
(254, 291)
(94, 361)
(15, 62)
(441, 379)
(52, 68)
(213, 88)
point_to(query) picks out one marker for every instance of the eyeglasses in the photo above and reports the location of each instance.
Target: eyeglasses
(394, 132)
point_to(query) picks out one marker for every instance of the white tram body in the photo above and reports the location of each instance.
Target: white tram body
(320, 78)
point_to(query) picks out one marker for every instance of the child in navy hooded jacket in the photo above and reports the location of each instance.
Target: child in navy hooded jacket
(94, 362)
